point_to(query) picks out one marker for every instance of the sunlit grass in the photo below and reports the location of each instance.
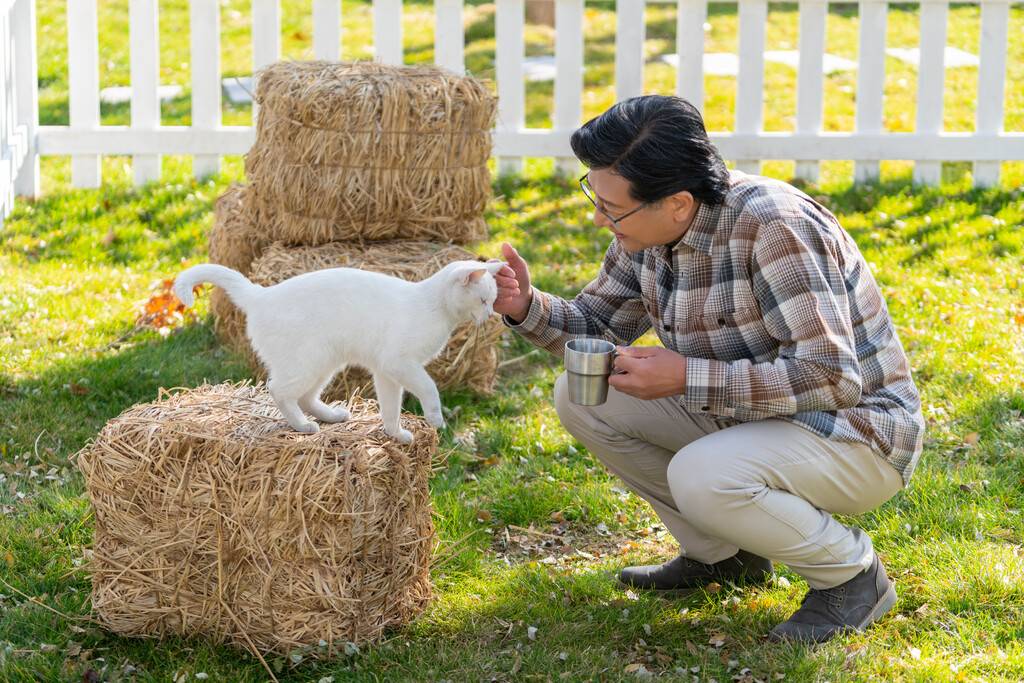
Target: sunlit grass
(531, 530)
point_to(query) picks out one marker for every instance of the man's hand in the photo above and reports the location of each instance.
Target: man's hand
(649, 372)
(514, 291)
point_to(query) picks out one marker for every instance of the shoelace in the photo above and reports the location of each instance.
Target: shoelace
(833, 596)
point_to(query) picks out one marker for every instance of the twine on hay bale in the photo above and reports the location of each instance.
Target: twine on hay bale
(354, 151)
(470, 359)
(234, 242)
(213, 518)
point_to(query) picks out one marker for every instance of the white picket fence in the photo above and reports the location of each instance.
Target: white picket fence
(22, 140)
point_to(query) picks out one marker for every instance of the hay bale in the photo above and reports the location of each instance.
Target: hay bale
(234, 242)
(214, 518)
(346, 152)
(470, 359)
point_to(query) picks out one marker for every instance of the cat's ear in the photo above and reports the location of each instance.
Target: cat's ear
(474, 276)
(494, 266)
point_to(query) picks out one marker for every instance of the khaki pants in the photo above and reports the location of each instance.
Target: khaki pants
(767, 487)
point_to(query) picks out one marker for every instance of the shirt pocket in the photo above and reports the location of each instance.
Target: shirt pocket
(735, 335)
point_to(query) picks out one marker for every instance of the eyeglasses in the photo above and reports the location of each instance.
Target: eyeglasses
(585, 186)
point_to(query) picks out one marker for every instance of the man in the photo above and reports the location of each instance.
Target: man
(782, 394)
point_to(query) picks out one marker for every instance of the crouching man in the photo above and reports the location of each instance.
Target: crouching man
(781, 395)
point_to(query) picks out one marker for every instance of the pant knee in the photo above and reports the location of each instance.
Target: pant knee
(703, 492)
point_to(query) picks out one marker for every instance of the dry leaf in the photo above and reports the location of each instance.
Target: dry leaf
(78, 389)
(972, 438)
(713, 588)
(163, 309)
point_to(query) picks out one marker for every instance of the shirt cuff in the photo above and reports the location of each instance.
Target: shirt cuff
(534, 320)
(706, 383)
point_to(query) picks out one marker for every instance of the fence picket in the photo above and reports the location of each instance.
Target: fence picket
(327, 30)
(206, 74)
(568, 73)
(449, 36)
(144, 46)
(931, 77)
(509, 53)
(387, 31)
(753, 18)
(266, 40)
(810, 86)
(870, 79)
(23, 30)
(690, 19)
(84, 86)
(7, 120)
(995, 21)
(630, 32)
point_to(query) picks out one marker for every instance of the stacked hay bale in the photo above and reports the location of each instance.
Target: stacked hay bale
(214, 518)
(369, 166)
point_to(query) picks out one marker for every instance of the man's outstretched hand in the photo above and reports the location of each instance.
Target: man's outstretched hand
(514, 291)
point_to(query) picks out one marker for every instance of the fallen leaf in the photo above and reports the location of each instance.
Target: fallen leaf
(517, 666)
(78, 389)
(972, 438)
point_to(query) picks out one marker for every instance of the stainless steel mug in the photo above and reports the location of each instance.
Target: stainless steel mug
(588, 363)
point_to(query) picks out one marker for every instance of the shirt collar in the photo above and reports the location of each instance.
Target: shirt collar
(701, 233)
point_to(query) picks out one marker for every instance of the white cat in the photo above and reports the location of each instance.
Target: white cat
(307, 328)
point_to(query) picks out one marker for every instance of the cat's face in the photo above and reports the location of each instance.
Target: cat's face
(476, 288)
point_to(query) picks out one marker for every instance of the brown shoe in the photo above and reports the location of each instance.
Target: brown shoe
(683, 574)
(847, 608)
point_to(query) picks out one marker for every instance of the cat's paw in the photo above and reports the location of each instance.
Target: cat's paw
(339, 414)
(403, 436)
(436, 420)
(306, 427)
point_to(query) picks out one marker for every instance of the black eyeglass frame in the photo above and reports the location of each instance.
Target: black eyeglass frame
(585, 186)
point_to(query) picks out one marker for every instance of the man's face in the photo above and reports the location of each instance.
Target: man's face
(651, 226)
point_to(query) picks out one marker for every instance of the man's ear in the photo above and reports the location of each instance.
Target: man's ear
(682, 203)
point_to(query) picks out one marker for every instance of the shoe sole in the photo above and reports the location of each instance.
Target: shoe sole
(687, 591)
(660, 591)
(881, 608)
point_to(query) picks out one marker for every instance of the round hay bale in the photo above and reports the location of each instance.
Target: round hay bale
(470, 359)
(354, 151)
(233, 242)
(214, 518)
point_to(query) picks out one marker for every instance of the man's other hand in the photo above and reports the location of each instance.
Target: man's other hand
(649, 372)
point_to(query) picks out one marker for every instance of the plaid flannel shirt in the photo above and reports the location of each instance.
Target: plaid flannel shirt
(774, 308)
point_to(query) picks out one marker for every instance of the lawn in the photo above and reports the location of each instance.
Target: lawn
(529, 593)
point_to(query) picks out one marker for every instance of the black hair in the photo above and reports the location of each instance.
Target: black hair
(659, 144)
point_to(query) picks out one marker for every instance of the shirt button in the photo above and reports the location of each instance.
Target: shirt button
(668, 328)
(721, 321)
(705, 408)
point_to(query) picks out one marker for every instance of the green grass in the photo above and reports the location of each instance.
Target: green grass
(949, 260)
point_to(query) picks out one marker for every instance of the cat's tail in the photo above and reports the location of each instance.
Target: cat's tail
(237, 286)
